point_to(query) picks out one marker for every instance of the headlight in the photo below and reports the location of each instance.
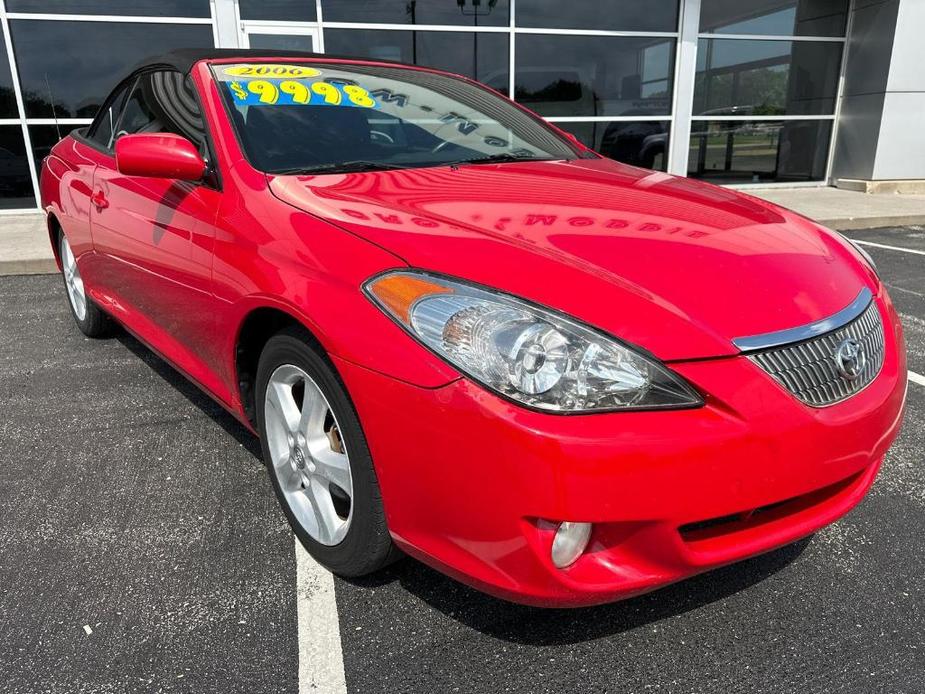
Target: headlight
(529, 354)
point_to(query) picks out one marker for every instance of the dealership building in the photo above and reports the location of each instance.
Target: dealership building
(737, 92)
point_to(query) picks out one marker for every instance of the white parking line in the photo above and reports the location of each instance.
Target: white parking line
(321, 661)
(917, 378)
(889, 248)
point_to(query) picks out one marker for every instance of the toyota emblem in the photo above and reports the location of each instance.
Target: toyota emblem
(850, 359)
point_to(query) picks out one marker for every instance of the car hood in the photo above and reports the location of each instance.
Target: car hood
(678, 267)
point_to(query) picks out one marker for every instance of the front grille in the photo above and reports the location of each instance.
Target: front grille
(808, 369)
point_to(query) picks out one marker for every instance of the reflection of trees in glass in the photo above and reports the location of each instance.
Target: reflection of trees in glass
(560, 90)
(8, 103)
(760, 91)
(40, 106)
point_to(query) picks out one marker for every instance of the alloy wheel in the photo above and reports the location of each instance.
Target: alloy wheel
(72, 280)
(308, 455)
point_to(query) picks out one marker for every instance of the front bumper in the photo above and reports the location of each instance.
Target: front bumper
(470, 481)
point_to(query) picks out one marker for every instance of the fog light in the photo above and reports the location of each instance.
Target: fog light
(570, 541)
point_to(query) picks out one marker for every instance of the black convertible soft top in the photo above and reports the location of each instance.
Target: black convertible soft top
(183, 59)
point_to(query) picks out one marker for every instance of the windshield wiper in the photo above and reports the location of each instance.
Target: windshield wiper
(501, 157)
(352, 166)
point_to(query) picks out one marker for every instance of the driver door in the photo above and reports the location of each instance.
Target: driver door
(155, 236)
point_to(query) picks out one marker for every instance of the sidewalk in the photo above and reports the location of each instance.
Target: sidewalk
(24, 247)
(848, 209)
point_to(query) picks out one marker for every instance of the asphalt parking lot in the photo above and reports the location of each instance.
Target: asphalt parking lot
(141, 549)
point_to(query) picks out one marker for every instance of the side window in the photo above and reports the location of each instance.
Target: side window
(103, 127)
(163, 102)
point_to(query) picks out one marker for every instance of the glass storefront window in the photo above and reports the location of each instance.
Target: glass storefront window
(52, 77)
(7, 95)
(774, 17)
(759, 151)
(594, 75)
(749, 65)
(282, 10)
(455, 12)
(640, 143)
(482, 56)
(283, 42)
(44, 137)
(15, 181)
(743, 77)
(136, 8)
(625, 15)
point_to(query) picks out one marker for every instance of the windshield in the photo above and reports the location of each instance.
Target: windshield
(327, 118)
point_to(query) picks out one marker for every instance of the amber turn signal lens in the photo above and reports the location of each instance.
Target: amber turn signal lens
(399, 292)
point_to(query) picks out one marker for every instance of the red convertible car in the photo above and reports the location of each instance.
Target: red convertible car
(462, 335)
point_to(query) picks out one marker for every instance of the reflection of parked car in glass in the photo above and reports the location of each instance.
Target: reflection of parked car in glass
(640, 143)
(14, 173)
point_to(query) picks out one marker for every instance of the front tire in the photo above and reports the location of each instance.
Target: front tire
(317, 457)
(88, 316)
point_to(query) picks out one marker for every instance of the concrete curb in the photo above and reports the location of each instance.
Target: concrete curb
(854, 223)
(28, 266)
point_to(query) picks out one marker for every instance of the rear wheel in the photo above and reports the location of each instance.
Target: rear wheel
(89, 318)
(318, 459)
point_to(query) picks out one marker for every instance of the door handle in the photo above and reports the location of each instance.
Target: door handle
(99, 200)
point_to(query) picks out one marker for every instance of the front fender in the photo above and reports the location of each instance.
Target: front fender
(304, 267)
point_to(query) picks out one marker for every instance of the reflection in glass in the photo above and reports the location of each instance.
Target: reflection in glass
(284, 10)
(743, 77)
(44, 137)
(759, 151)
(640, 143)
(102, 130)
(7, 95)
(282, 42)
(594, 75)
(624, 15)
(77, 90)
(383, 117)
(15, 182)
(461, 12)
(774, 17)
(136, 8)
(480, 56)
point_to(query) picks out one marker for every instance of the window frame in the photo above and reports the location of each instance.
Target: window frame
(212, 177)
(124, 88)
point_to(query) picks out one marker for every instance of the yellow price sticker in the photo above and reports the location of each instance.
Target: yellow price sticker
(272, 71)
(295, 93)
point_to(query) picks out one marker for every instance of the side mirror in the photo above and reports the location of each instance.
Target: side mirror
(160, 155)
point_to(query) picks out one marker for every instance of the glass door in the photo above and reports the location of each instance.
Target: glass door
(279, 37)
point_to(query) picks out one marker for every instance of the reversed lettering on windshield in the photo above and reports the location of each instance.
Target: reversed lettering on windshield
(289, 92)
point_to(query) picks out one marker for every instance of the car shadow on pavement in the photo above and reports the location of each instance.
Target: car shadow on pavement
(554, 627)
(191, 392)
(499, 618)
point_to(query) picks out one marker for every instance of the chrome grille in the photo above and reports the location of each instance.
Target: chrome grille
(808, 369)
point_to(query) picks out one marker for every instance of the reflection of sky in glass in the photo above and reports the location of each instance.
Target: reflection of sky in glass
(726, 52)
(774, 17)
(656, 61)
(773, 23)
(283, 42)
(55, 64)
